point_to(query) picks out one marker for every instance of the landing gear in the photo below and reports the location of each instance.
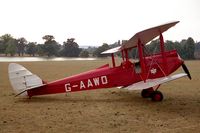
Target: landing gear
(152, 93)
(146, 93)
(157, 96)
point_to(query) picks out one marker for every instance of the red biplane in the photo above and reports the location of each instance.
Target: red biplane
(147, 74)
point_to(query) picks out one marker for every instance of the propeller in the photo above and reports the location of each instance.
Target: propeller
(186, 71)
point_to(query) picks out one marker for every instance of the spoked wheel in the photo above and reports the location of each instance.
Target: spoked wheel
(146, 93)
(157, 96)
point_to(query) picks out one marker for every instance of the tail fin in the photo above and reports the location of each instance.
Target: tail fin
(22, 79)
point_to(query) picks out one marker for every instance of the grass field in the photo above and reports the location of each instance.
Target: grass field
(108, 110)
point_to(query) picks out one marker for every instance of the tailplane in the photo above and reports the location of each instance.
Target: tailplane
(22, 79)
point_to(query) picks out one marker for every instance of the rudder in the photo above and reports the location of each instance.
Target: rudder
(22, 79)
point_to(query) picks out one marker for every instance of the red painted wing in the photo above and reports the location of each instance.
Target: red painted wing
(145, 36)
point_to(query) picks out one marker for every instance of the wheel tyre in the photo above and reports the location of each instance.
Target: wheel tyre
(157, 96)
(146, 93)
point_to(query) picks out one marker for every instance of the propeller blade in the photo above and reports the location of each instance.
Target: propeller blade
(186, 71)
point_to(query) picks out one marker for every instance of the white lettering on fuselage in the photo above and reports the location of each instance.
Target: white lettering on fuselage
(82, 85)
(104, 80)
(89, 83)
(67, 87)
(96, 82)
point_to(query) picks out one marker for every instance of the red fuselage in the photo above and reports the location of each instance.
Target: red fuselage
(106, 77)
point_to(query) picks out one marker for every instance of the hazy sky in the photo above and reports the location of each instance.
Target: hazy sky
(93, 22)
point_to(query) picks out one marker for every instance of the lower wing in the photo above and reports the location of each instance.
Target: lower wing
(153, 82)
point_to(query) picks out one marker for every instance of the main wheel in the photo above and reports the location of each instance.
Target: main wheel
(157, 96)
(146, 93)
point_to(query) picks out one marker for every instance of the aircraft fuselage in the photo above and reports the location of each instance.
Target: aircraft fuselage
(107, 77)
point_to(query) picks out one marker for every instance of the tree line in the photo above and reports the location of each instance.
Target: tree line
(186, 48)
(10, 46)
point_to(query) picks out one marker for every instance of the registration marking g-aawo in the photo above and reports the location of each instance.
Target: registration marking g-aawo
(92, 82)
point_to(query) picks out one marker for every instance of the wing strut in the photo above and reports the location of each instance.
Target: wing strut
(122, 55)
(113, 59)
(141, 57)
(162, 49)
(126, 54)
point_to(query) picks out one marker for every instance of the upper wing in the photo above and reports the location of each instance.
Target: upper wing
(112, 50)
(145, 36)
(154, 82)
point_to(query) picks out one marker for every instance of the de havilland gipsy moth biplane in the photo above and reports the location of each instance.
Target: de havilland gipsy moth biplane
(146, 74)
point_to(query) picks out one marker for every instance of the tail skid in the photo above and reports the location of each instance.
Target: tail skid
(22, 79)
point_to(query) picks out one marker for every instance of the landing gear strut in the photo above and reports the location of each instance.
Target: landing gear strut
(152, 93)
(146, 93)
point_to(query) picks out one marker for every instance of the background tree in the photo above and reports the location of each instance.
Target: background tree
(178, 47)
(99, 50)
(21, 44)
(153, 47)
(40, 50)
(48, 38)
(84, 53)
(183, 44)
(190, 47)
(197, 50)
(11, 47)
(31, 48)
(4, 39)
(91, 49)
(169, 45)
(1, 46)
(70, 48)
(51, 47)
